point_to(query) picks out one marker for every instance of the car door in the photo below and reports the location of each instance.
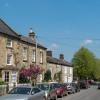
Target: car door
(37, 94)
(52, 91)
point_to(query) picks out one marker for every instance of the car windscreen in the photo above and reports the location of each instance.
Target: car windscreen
(57, 85)
(20, 90)
(43, 86)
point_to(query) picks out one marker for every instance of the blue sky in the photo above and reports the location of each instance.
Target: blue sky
(63, 26)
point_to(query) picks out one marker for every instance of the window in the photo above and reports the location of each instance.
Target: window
(34, 56)
(36, 90)
(24, 53)
(9, 42)
(6, 76)
(9, 59)
(68, 72)
(41, 57)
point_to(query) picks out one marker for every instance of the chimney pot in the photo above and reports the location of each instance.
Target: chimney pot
(61, 56)
(31, 34)
(49, 53)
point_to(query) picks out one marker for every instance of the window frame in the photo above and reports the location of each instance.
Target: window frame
(10, 60)
(33, 55)
(25, 54)
(41, 57)
(9, 43)
(6, 78)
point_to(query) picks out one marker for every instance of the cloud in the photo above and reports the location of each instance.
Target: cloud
(87, 42)
(54, 46)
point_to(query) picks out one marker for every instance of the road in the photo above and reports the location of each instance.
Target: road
(87, 94)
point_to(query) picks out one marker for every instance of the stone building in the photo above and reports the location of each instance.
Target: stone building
(56, 65)
(17, 51)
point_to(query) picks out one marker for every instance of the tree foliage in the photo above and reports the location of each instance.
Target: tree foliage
(57, 76)
(31, 72)
(47, 75)
(84, 63)
(97, 71)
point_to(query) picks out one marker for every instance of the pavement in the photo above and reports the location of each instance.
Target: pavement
(86, 94)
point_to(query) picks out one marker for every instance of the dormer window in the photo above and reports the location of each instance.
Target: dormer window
(9, 42)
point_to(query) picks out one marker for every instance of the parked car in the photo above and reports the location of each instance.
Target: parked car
(70, 88)
(60, 91)
(83, 85)
(65, 89)
(98, 85)
(24, 93)
(50, 92)
(76, 86)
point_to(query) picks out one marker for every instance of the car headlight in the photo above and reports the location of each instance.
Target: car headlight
(58, 91)
(46, 93)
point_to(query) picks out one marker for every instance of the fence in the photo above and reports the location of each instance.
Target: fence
(3, 89)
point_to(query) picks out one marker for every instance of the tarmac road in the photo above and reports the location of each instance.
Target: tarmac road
(87, 94)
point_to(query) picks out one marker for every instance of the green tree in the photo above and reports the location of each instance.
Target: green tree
(84, 63)
(47, 75)
(57, 76)
(97, 69)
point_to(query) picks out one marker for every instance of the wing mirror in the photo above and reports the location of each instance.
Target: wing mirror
(33, 93)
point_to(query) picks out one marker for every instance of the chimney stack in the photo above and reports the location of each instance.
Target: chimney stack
(49, 53)
(61, 56)
(31, 34)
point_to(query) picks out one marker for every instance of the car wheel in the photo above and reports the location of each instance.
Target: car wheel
(55, 98)
(61, 95)
(48, 98)
(66, 94)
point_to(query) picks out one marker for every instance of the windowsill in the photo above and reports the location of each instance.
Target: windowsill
(33, 61)
(25, 60)
(9, 47)
(41, 62)
(9, 64)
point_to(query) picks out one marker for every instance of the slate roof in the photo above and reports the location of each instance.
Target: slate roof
(58, 61)
(31, 41)
(5, 29)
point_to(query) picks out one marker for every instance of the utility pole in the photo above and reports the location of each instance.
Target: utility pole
(34, 38)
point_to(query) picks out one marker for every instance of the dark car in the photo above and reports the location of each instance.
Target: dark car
(83, 85)
(50, 92)
(98, 85)
(76, 86)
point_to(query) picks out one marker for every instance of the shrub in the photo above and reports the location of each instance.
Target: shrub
(2, 82)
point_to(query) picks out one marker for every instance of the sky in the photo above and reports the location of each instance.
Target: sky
(63, 26)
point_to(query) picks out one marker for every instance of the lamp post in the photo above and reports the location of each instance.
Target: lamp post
(36, 47)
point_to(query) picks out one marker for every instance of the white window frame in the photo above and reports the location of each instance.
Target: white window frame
(6, 78)
(25, 53)
(9, 42)
(34, 56)
(11, 59)
(41, 57)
